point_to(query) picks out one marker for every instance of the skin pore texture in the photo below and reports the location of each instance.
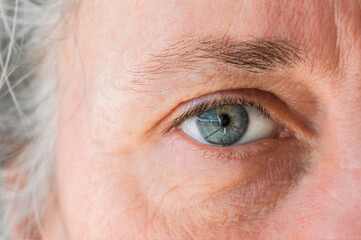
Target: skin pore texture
(127, 69)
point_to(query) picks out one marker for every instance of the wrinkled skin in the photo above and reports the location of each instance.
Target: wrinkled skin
(119, 177)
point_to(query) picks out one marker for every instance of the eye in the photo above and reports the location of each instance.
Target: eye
(230, 124)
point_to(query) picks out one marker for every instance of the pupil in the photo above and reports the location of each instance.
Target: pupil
(224, 120)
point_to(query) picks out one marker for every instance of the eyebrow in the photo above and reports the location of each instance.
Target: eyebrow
(256, 55)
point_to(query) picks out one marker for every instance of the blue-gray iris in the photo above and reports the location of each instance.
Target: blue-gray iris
(223, 125)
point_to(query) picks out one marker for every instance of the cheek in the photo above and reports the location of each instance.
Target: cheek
(178, 180)
(168, 181)
(325, 205)
(100, 199)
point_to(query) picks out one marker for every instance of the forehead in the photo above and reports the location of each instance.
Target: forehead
(322, 28)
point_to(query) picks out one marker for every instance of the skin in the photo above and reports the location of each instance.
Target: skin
(119, 177)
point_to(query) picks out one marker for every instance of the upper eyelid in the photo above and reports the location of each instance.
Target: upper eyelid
(278, 110)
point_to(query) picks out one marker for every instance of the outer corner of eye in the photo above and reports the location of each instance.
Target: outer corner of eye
(228, 125)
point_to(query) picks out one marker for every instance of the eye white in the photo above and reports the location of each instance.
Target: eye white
(260, 126)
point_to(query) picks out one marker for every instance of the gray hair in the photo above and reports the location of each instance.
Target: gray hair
(27, 116)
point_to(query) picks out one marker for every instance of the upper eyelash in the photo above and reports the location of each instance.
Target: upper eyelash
(208, 104)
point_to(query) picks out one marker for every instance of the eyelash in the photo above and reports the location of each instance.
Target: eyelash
(207, 104)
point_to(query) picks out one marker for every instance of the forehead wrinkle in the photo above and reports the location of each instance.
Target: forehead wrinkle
(255, 56)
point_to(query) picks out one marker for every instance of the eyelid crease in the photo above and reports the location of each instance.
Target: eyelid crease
(207, 104)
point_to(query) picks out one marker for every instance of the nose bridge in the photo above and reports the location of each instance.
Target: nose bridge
(343, 129)
(341, 156)
(344, 88)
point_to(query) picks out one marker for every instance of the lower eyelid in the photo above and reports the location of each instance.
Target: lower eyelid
(235, 152)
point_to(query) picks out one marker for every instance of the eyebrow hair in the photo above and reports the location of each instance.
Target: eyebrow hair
(256, 56)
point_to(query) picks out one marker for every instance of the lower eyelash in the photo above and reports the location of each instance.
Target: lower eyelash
(244, 153)
(227, 156)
